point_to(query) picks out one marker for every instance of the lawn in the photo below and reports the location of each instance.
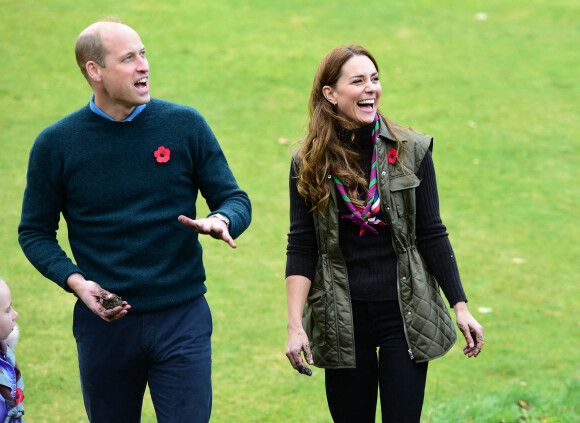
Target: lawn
(495, 83)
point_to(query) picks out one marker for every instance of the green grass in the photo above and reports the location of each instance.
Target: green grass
(500, 96)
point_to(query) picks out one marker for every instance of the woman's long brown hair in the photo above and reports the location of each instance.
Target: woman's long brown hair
(321, 147)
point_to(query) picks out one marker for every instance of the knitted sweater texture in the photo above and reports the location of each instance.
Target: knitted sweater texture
(121, 205)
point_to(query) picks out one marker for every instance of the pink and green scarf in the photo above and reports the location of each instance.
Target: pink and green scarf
(367, 215)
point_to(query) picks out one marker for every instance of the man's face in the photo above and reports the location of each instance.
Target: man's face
(125, 77)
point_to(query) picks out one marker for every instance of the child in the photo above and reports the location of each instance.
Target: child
(11, 385)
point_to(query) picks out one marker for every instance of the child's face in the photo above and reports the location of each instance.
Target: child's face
(7, 314)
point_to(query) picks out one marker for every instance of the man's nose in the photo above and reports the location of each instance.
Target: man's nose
(143, 64)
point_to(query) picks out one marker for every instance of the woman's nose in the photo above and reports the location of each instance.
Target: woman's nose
(370, 87)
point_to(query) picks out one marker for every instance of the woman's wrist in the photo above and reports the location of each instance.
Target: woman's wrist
(460, 306)
(295, 326)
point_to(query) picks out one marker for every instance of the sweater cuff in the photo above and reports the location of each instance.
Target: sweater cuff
(63, 280)
(299, 265)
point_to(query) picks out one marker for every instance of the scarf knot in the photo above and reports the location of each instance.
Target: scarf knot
(367, 216)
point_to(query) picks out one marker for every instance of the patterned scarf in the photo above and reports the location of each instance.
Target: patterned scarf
(367, 215)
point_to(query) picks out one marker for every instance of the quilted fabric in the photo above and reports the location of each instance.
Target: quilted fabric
(328, 314)
(429, 327)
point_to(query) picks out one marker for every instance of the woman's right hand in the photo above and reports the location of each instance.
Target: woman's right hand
(298, 344)
(297, 288)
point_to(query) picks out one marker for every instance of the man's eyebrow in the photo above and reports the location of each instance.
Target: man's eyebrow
(131, 51)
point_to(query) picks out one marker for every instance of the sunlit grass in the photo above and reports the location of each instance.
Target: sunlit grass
(500, 96)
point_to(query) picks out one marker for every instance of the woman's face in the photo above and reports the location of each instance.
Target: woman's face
(357, 92)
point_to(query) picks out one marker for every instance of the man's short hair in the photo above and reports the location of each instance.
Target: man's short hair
(90, 47)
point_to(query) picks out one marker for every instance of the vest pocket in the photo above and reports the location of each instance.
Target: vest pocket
(314, 319)
(430, 328)
(403, 194)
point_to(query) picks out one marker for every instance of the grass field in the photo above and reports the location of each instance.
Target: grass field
(496, 84)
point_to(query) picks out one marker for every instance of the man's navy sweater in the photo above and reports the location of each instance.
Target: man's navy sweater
(121, 205)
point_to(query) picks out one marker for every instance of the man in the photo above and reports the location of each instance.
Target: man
(125, 172)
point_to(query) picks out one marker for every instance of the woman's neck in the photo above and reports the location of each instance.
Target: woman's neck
(360, 136)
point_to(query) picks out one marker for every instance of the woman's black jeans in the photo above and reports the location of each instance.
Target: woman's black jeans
(352, 393)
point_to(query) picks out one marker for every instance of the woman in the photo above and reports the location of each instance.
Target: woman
(367, 251)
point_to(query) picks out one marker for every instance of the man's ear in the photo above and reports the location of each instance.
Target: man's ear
(328, 93)
(94, 70)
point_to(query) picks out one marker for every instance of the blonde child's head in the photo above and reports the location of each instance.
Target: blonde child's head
(7, 314)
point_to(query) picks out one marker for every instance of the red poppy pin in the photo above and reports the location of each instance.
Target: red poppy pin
(392, 156)
(19, 397)
(162, 155)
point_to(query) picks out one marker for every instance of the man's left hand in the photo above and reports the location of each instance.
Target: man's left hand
(209, 226)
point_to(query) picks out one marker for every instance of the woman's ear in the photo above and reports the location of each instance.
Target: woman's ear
(328, 93)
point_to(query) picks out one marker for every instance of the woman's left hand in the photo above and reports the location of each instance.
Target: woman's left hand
(471, 329)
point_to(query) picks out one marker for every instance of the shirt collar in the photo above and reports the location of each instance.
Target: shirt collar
(99, 112)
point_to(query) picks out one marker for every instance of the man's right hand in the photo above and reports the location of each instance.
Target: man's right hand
(93, 295)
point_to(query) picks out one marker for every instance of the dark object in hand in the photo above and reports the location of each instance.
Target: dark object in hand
(305, 371)
(112, 302)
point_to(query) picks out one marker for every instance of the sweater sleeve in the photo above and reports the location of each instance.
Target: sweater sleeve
(41, 207)
(432, 237)
(217, 183)
(302, 250)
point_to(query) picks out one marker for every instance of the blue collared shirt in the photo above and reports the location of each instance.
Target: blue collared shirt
(129, 118)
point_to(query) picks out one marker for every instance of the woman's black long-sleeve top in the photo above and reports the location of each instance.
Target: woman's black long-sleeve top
(371, 260)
